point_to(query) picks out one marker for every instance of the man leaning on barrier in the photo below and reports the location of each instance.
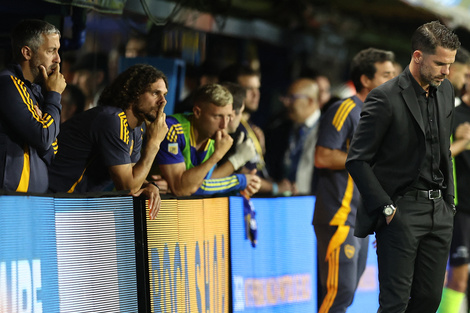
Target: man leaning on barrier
(196, 142)
(100, 149)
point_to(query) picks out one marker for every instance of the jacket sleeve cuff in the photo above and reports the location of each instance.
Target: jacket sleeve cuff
(449, 199)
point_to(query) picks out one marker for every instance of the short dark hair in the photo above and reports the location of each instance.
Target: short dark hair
(462, 56)
(363, 63)
(28, 33)
(431, 35)
(130, 85)
(238, 94)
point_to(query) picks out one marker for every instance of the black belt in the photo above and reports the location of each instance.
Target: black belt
(426, 194)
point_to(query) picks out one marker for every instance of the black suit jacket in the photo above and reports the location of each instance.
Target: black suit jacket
(388, 147)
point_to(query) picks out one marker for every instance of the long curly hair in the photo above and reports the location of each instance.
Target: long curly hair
(129, 85)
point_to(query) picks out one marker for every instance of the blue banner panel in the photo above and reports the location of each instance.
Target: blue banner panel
(28, 258)
(279, 273)
(67, 255)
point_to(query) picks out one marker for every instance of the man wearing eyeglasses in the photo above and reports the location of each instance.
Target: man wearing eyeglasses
(341, 256)
(290, 145)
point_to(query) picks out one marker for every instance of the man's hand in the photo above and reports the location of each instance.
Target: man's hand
(157, 130)
(152, 193)
(38, 111)
(223, 142)
(287, 188)
(162, 184)
(253, 183)
(244, 151)
(388, 219)
(54, 82)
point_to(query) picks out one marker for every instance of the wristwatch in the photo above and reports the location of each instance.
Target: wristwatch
(388, 210)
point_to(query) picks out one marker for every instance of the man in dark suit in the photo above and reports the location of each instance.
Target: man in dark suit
(400, 161)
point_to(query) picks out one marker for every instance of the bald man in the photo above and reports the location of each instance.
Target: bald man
(303, 109)
(290, 145)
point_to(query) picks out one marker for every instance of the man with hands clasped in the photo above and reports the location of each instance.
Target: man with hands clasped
(30, 108)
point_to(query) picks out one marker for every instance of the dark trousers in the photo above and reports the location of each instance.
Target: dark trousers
(342, 260)
(412, 254)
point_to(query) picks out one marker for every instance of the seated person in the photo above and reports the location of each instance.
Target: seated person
(100, 149)
(243, 149)
(73, 102)
(250, 79)
(196, 142)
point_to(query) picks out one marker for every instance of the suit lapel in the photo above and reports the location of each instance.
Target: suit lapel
(444, 131)
(441, 110)
(411, 101)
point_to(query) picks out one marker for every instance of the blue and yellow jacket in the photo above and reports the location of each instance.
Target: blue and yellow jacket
(27, 141)
(178, 147)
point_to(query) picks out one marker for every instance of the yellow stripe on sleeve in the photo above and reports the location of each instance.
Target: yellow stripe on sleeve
(25, 173)
(124, 132)
(46, 120)
(220, 184)
(175, 130)
(342, 113)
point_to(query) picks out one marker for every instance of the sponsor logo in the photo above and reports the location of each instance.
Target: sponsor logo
(173, 148)
(349, 251)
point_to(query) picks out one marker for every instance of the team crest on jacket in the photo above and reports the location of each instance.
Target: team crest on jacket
(349, 251)
(173, 148)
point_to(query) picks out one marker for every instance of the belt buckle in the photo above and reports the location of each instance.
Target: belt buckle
(432, 196)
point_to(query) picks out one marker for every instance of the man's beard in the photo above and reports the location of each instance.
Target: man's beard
(431, 80)
(149, 117)
(37, 76)
(434, 84)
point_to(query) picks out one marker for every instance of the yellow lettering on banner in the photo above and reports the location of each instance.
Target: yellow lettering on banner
(188, 256)
(282, 290)
(258, 292)
(263, 292)
(249, 302)
(271, 291)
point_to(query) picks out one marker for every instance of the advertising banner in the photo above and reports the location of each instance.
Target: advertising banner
(67, 255)
(278, 272)
(96, 254)
(188, 256)
(28, 257)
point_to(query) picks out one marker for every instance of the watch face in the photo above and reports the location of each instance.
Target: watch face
(388, 211)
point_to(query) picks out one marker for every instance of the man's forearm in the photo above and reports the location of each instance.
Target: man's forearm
(223, 170)
(192, 179)
(227, 184)
(141, 169)
(459, 146)
(332, 159)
